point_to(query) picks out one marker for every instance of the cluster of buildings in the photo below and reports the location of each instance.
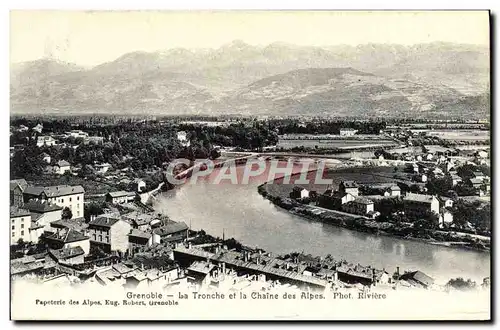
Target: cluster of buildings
(349, 199)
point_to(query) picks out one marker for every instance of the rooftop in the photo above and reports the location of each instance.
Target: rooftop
(63, 163)
(171, 228)
(139, 233)
(54, 191)
(16, 212)
(41, 206)
(121, 193)
(419, 198)
(19, 182)
(67, 253)
(103, 221)
(201, 267)
(67, 235)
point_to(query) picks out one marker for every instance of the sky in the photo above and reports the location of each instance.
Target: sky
(91, 38)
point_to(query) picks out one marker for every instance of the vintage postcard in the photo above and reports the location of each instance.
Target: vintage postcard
(250, 165)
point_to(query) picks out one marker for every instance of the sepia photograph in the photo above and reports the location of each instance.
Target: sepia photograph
(250, 165)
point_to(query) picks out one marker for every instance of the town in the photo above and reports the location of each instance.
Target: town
(83, 192)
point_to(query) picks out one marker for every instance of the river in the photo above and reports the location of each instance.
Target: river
(242, 213)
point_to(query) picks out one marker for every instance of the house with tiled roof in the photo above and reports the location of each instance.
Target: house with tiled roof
(349, 187)
(361, 206)
(44, 212)
(120, 197)
(172, 232)
(420, 203)
(61, 167)
(69, 256)
(418, 279)
(71, 197)
(16, 191)
(67, 238)
(139, 220)
(109, 233)
(138, 239)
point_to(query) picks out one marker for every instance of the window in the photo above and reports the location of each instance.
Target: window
(100, 238)
(77, 213)
(107, 239)
(13, 227)
(93, 237)
(70, 199)
(22, 225)
(13, 221)
(13, 234)
(22, 219)
(22, 232)
(77, 198)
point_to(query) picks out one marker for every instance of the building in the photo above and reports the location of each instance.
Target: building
(182, 137)
(77, 134)
(201, 271)
(46, 212)
(445, 217)
(62, 167)
(445, 201)
(120, 197)
(418, 279)
(348, 131)
(420, 203)
(38, 128)
(394, 191)
(139, 220)
(299, 192)
(102, 168)
(16, 191)
(110, 234)
(138, 185)
(68, 256)
(173, 232)
(93, 140)
(360, 206)
(71, 197)
(349, 187)
(138, 239)
(45, 141)
(20, 222)
(67, 238)
(475, 183)
(46, 157)
(455, 179)
(479, 175)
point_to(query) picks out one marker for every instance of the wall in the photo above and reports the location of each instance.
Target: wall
(84, 244)
(75, 203)
(19, 228)
(119, 236)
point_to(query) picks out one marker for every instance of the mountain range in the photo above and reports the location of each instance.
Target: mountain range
(436, 79)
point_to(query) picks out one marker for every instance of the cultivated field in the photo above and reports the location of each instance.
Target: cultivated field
(458, 134)
(333, 142)
(358, 174)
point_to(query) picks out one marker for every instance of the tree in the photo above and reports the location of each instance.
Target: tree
(66, 213)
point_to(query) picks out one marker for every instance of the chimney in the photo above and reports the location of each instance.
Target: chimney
(245, 255)
(223, 268)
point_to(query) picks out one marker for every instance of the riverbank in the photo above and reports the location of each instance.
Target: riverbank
(361, 224)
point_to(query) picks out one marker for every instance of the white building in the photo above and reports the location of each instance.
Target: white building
(348, 131)
(20, 222)
(45, 141)
(62, 167)
(64, 196)
(182, 137)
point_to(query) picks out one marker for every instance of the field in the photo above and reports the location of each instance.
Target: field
(358, 174)
(457, 134)
(315, 142)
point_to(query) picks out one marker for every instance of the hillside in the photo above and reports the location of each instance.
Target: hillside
(274, 79)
